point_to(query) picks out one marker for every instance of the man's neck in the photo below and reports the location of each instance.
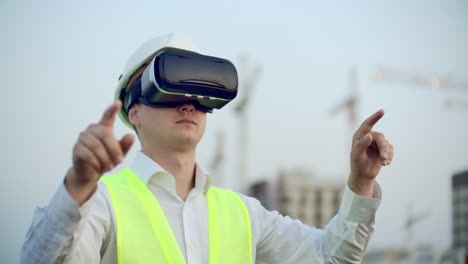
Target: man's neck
(181, 165)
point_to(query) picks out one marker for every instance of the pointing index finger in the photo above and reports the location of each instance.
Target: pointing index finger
(108, 117)
(367, 125)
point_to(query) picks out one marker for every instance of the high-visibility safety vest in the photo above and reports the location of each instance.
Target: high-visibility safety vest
(145, 236)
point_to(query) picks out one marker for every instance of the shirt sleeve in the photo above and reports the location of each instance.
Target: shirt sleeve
(280, 239)
(56, 231)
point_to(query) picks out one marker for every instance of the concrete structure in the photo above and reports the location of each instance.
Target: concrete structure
(263, 192)
(312, 200)
(419, 255)
(460, 215)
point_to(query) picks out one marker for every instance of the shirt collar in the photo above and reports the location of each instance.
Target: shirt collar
(151, 173)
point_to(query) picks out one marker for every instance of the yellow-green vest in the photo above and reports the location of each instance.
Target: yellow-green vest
(144, 234)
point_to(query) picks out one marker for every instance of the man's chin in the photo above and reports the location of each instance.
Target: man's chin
(186, 142)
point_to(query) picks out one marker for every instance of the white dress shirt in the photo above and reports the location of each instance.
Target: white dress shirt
(62, 232)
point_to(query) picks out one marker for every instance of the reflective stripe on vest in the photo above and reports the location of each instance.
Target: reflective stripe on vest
(145, 236)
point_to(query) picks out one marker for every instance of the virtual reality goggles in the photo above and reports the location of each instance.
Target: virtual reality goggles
(175, 77)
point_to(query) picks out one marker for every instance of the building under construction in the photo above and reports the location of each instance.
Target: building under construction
(460, 215)
(303, 196)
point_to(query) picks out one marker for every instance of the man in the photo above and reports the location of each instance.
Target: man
(163, 208)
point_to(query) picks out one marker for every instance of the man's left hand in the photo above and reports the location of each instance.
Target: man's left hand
(370, 151)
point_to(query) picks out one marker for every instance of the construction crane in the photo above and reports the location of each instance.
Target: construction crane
(389, 74)
(456, 103)
(424, 80)
(350, 103)
(218, 159)
(249, 76)
(436, 81)
(411, 220)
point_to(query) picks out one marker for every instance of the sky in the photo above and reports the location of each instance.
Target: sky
(61, 60)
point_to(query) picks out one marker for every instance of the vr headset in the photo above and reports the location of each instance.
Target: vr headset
(174, 77)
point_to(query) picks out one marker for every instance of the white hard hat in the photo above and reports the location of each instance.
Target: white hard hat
(146, 52)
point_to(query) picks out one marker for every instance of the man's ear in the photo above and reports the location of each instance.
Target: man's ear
(133, 115)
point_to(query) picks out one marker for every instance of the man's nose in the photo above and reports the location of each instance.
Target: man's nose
(187, 107)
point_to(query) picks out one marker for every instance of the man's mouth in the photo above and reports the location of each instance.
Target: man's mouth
(187, 121)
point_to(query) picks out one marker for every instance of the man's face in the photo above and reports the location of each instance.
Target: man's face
(176, 127)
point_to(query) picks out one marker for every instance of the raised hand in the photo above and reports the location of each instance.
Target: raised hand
(370, 151)
(96, 152)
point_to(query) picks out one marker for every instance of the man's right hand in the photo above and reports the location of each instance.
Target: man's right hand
(96, 152)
